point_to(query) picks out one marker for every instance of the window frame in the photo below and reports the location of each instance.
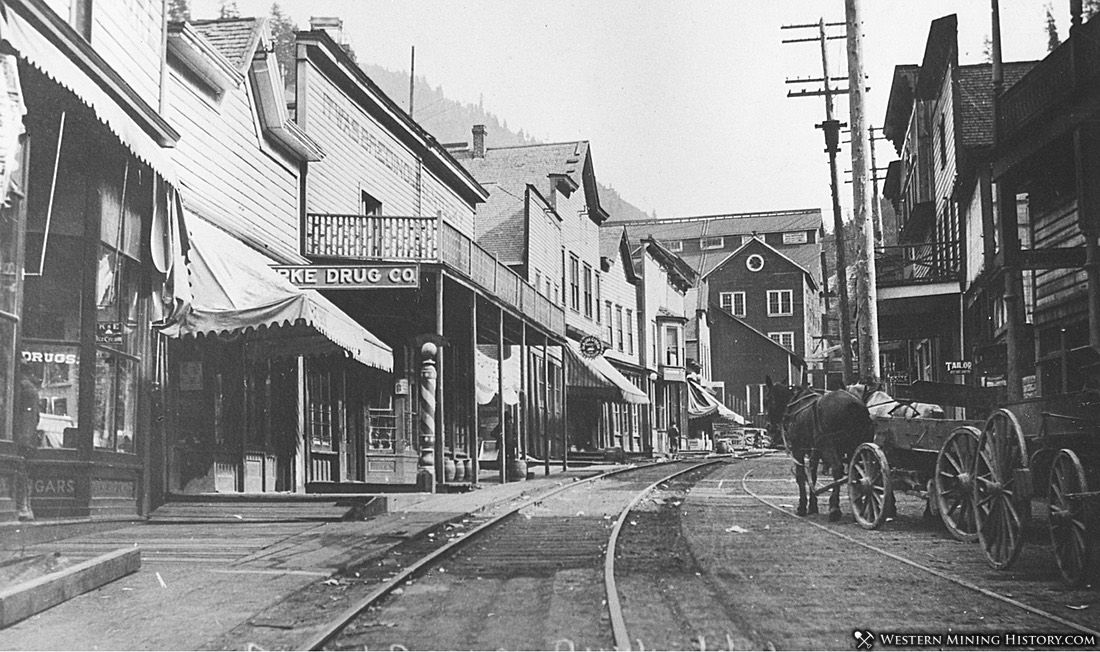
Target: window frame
(588, 290)
(708, 243)
(733, 297)
(780, 294)
(574, 283)
(778, 337)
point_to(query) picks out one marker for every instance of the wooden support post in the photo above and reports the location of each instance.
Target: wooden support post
(441, 439)
(545, 408)
(475, 430)
(502, 446)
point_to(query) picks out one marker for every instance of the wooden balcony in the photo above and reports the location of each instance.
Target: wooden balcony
(426, 240)
(1071, 70)
(925, 263)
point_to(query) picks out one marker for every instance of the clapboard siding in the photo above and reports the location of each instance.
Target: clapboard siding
(1056, 226)
(127, 34)
(580, 236)
(362, 156)
(543, 245)
(227, 176)
(621, 292)
(944, 187)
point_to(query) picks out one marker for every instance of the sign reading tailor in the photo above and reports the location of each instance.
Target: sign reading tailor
(351, 277)
(959, 366)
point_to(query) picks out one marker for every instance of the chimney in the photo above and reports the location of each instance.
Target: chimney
(331, 24)
(478, 148)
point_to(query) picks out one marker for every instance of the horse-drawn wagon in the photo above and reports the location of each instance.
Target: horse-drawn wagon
(917, 451)
(1037, 449)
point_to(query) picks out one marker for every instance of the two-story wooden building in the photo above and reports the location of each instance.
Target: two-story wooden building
(473, 339)
(1048, 152)
(767, 293)
(706, 241)
(90, 256)
(625, 424)
(564, 176)
(937, 292)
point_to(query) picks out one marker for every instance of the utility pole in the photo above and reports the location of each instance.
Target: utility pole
(412, 78)
(869, 368)
(877, 174)
(831, 128)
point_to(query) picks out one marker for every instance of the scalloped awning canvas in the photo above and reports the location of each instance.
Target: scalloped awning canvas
(235, 290)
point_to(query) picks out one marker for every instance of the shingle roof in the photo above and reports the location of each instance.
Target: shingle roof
(610, 238)
(523, 164)
(683, 228)
(743, 224)
(976, 99)
(234, 38)
(499, 226)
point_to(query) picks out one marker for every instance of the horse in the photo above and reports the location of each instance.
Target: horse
(879, 403)
(825, 427)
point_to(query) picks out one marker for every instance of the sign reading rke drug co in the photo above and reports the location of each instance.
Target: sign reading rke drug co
(336, 277)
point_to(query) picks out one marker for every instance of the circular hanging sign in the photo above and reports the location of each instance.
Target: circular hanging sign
(754, 263)
(591, 346)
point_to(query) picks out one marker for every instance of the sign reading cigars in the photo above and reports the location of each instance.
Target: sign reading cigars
(351, 277)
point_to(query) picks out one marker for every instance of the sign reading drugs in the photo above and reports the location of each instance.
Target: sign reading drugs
(351, 277)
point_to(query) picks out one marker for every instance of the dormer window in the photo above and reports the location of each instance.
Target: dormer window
(675, 245)
(712, 243)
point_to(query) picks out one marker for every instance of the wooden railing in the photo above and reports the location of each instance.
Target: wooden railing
(428, 240)
(916, 264)
(1071, 68)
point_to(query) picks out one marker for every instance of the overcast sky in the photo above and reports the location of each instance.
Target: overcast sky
(683, 101)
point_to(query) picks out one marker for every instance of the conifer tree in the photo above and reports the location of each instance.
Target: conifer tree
(179, 11)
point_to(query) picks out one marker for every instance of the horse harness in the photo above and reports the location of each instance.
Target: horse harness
(809, 400)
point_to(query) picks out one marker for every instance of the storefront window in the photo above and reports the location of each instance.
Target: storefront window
(321, 415)
(118, 340)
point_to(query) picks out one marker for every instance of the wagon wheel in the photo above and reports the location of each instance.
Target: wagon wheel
(869, 489)
(1069, 531)
(999, 504)
(953, 480)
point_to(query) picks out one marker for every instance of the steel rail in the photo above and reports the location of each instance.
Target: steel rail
(932, 571)
(337, 624)
(614, 607)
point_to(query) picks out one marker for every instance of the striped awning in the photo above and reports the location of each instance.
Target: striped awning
(597, 377)
(236, 291)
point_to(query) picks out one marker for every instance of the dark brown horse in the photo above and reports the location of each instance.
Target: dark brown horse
(817, 427)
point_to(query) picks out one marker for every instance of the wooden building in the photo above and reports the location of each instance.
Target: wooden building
(937, 289)
(564, 175)
(1048, 152)
(474, 342)
(87, 255)
(770, 293)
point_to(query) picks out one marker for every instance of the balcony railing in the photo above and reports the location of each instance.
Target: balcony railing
(426, 240)
(1072, 67)
(918, 264)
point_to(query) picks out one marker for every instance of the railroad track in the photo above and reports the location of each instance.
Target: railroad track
(1038, 603)
(543, 563)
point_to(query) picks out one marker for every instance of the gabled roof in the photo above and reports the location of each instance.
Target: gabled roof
(535, 164)
(235, 38)
(500, 225)
(940, 51)
(334, 61)
(614, 246)
(975, 87)
(718, 312)
(899, 106)
(679, 271)
(754, 242)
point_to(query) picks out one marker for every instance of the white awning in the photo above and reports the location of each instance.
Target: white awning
(38, 50)
(235, 290)
(598, 375)
(702, 404)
